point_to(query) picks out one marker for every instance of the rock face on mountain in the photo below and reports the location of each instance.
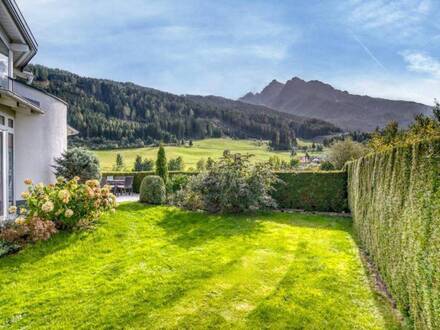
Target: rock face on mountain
(319, 100)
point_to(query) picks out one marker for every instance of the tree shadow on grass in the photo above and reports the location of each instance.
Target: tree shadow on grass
(34, 252)
(189, 229)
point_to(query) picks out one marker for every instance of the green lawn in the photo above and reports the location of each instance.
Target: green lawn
(201, 149)
(160, 267)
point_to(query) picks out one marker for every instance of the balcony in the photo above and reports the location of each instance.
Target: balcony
(14, 95)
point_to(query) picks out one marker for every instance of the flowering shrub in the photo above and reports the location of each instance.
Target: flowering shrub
(232, 184)
(67, 202)
(24, 230)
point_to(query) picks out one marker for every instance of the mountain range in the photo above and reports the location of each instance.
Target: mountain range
(319, 100)
(112, 114)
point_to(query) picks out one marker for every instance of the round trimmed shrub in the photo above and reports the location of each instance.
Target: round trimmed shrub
(152, 190)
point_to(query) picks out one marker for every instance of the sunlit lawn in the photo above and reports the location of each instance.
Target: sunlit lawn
(160, 267)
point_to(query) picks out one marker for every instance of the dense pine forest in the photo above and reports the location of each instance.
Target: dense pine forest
(111, 114)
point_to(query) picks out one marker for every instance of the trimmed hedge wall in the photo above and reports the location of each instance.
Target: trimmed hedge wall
(138, 176)
(394, 197)
(312, 191)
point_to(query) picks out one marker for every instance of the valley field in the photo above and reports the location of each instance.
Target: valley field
(191, 155)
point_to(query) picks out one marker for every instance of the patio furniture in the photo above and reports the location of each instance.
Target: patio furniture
(127, 187)
(115, 183)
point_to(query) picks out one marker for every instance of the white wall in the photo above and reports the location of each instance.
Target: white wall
(38, 138)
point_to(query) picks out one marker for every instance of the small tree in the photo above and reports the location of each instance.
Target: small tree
(344, 151)
(176, 164)
(161, 164)
(77, 162)
(137, 164)
(148, 165)
(201, 165)
(294, 163)
(209, 163)
(436, 111)
(326, 166)
(119, 165)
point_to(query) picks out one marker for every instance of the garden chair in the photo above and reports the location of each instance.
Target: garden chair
(118, 184)
(128, 185)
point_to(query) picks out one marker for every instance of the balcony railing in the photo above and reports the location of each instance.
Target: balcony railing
(12, 85)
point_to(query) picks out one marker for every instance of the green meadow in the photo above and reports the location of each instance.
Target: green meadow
(191, 155)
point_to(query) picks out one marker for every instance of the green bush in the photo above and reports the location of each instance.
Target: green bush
(143, 165)
(177, 182)
(312, 191)
(394, 197)
(77, 162)
(176, 164)
(326, 166)
(153, 190)
(344, 151)
(233, 185)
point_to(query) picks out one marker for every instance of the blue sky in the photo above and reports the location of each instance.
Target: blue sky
(385, 48)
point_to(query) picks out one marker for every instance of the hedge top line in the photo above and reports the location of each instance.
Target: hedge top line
(426, 142)
(195, 172)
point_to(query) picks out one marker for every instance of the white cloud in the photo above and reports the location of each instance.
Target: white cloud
(401, 18)
(422, 63)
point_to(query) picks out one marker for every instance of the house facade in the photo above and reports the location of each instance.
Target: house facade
(33, 123)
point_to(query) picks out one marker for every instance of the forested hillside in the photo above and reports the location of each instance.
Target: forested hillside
(114, 114)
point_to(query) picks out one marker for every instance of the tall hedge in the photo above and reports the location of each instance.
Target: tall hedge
(312, 191)
(394, 197)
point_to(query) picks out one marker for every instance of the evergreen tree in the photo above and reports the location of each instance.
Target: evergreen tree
(436, 111)
(77, 162)
(119, 163)
(161, 164)
(209, 163)
(201, 165)
(138, 164)
(176, 164)
(147, 165)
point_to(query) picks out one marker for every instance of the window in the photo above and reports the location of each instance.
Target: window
(10, 123)
(4, 65)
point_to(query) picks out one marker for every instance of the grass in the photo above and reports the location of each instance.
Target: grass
(191, 155)
(160, 267)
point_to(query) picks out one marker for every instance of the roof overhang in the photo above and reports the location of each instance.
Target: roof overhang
(17, 103)
(22, 41)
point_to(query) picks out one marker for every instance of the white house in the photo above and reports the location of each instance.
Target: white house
(33, 123)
